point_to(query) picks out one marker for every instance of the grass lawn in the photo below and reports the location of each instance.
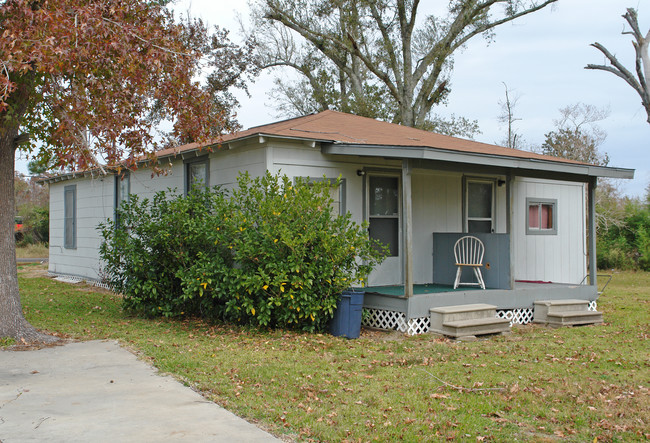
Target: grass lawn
(38, 250)
(580, 384)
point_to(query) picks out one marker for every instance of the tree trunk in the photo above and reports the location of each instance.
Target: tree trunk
(12, 321)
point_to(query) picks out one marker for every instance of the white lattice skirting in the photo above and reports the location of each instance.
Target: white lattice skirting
(381, 319)
(593, 305)
(516, 316)
(415, 326)
(75, 279)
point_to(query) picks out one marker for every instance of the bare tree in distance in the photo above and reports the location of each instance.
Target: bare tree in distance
(507, 116)
(577, 135)
(638, 80)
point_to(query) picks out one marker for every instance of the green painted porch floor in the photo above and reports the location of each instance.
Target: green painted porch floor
(430, 288)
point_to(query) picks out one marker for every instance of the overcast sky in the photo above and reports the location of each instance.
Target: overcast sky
(541, 57)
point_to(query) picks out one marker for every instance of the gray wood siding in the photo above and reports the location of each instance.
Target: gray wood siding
(145, 186)
(225, 164)
(437, 203)
(96, 199)
(94, 205)
(558, 258)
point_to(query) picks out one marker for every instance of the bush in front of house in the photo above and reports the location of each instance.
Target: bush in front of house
(151, 245)
(274, 253)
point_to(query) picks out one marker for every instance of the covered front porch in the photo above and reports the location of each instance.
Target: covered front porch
(536, 218)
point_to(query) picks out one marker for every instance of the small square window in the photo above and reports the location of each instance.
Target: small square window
(541, 216)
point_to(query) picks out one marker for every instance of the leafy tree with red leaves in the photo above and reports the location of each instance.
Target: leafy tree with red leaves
(86, 83)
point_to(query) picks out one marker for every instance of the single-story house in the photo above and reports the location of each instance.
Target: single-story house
(419, 191)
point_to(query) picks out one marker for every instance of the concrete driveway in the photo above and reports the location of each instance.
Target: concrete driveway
(98, 392)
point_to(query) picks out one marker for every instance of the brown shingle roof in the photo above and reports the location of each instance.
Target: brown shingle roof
(338, 127)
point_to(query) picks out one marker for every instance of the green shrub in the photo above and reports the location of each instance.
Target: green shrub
(627, 246)
(273, 254)
(36, 226)
(148, 251)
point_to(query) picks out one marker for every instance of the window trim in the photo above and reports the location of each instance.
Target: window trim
(71, 220)
(186, 167)
(541, 201)
(466, 219)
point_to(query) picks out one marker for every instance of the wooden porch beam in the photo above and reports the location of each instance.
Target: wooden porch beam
(407, 230)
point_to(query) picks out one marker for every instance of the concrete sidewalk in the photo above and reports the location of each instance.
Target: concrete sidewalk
(98, 392)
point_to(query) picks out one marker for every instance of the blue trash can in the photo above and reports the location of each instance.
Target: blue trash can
(347, 317)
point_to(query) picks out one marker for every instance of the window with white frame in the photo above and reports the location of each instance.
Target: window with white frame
(541, 216)
(197, 173)
(384, 211)
(479, 205)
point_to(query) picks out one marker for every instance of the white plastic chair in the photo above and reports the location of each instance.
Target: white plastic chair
(468, 251)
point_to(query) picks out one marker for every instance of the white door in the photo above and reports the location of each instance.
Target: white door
(383, 207)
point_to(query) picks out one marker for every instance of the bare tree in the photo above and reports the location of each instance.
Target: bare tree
(507, 115)
(577, 135)
(377, 44)
(639, 82)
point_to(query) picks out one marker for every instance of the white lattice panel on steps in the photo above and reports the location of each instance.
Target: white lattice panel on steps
(516, 316)
(379, 318)
(414, 326)
(593, 305)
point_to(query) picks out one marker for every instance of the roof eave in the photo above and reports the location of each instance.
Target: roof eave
(261, 136)
(470, 158)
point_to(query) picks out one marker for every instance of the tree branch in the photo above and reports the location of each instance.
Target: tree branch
(617, 68)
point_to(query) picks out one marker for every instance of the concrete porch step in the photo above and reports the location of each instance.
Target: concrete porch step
(467, 320)
(574, 318)
(463, 312)
(543, 309)
(563, 305)
(479, 326)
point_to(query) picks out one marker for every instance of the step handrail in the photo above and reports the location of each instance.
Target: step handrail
(608, 276)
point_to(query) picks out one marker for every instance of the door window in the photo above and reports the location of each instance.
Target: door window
(479, 207)
(384, 212)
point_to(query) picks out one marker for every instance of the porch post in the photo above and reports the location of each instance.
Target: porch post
(407, 230)
(593, 183)
(509, 226)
